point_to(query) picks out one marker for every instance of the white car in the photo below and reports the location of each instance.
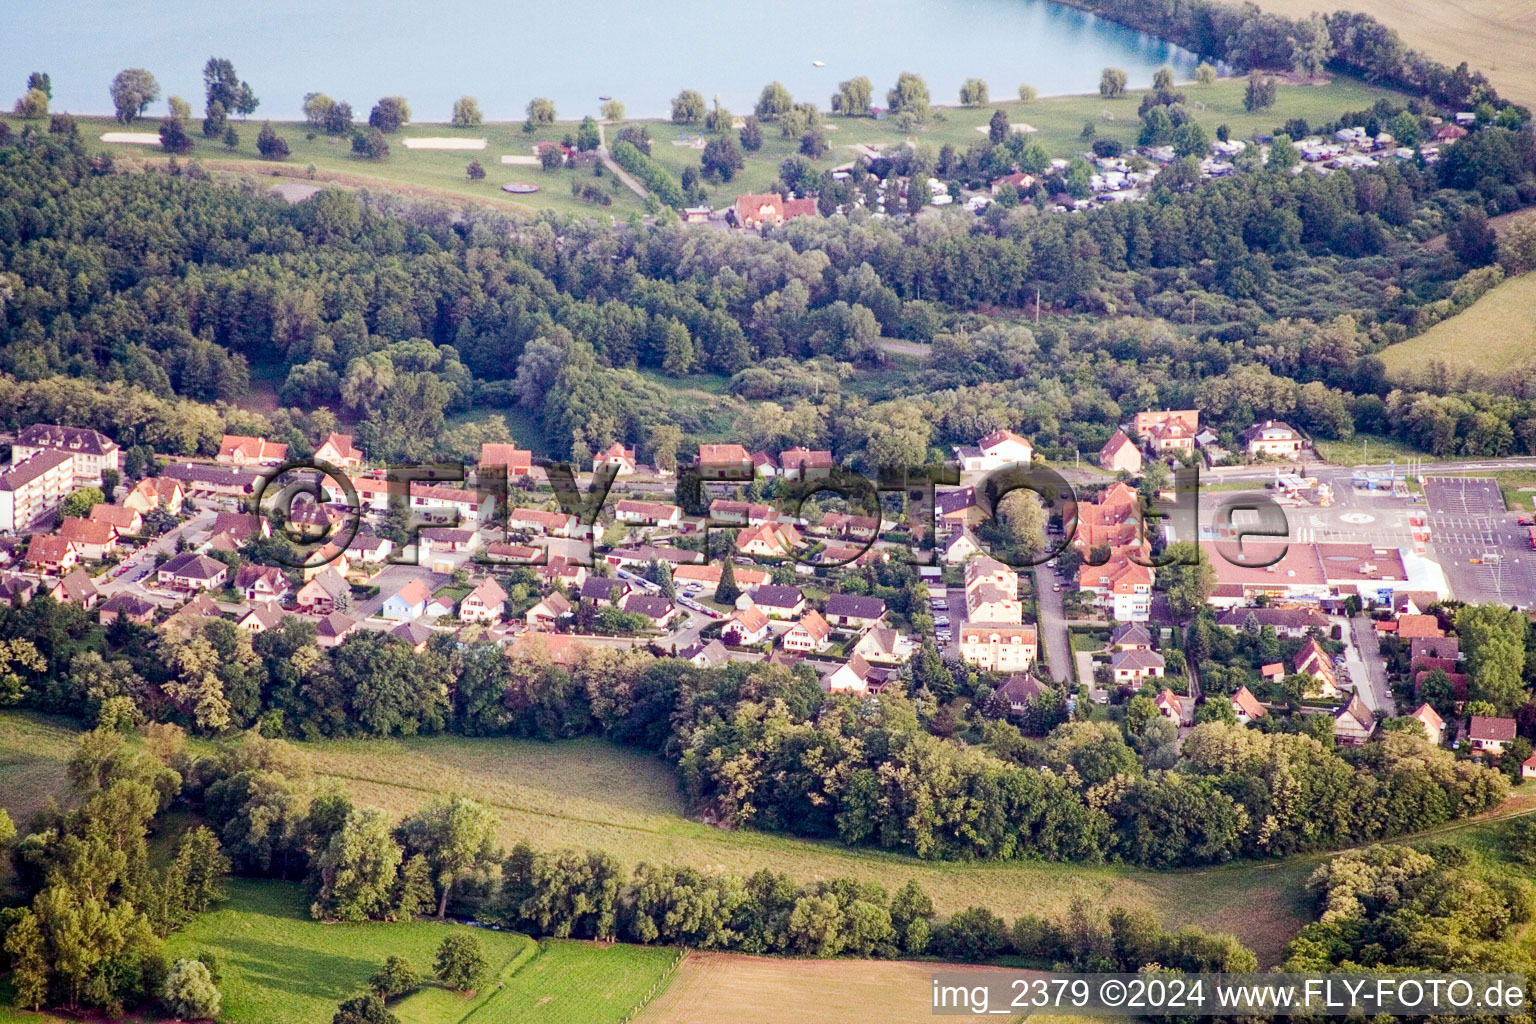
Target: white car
(942, 620)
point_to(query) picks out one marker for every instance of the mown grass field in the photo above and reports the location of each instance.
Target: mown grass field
(1367, 450)
(1496, 37)
(281, 967)
(34, 758)
(440, 174)
(1497, 332)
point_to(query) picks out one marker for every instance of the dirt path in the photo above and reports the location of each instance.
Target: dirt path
(608, 161)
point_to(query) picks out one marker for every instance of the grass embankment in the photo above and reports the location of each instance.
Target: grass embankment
(441, 173)
(1495, 333)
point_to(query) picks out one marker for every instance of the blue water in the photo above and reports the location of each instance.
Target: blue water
(642, 51)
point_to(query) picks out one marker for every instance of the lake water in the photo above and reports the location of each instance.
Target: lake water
(642, 52)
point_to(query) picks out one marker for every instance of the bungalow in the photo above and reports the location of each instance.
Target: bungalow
(1019, 689)
(126, 521)
(702, 655)
(1133, 666)
(805, 464)
(547, 612)
(1489, 735)
(725, 462)
(1274, 438)
(1434, 725)
(998, 648)
(884, 645)
(439, 606)
(1354, 723)
(76, 588)
(1130, 636)
(1291, 622)
(323, 591)
(841, 524)
(338, 450)
(192, 616)
(1021, 182)
(1246, 706)
(707, 576)
(189, 571)
(440, 504)
(1528, 768)
(155, 492)
(644, 554)
(333, 629)
(407, 603)
(561, 571)
(809, 634)
(620, 458)
(778, 601)
(260, 619)
(501, 551)
(239, 450)
(92, 538)
(16, 591)
(647, 513)
(486, 603)
(744, 513)
(657, 609)
(444, 540)
(746, 627)
(200, 480)
(414, 634)
(552, 524)
(1170, 705)
(48, 553)
(1000, 448)
(366, 547)
(604, 591)
(1120, 455)
(769, 209)
(261, 583)
(850, 611)
(124, 605)
(769, 540)
(1272, 672)
(518, 461)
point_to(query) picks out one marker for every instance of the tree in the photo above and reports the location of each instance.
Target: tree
(1517, 245)
(460, 962)
(1023, 516)
(909, 96)
(1260, 92)
(179, 108)
(414, 895)
(231, 138)
(195, 682)
(79, 503)
(773, 102)
(271, 145)
(466, 112)
(721, 159)
(1189, 139)
(587, 136)
(455, 834)
(370, 145)
(33, 105)
(396, 978)
(475, 171)
(214, 120)
(1189, 579)
(390, 114)
(189, 992)
(1027, 93)
(997, 127)
(1473, 239)
(338, 120)
(540, 111)
(1283, 153)
(751, 135)
(1205, 74)
(854, 97)
(612, 111)
(814, 144)
(1312, 47)
(317, 107)
(1112, 83)
(133, 90)
(357, 870)
(719, 120)
(974, 93)
(1493, 639)
(1162, 79)
(367, 1008)
(726, 591)
(688, 107)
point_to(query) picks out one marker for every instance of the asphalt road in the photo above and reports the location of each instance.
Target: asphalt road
(1053, 625)
(1366, 667)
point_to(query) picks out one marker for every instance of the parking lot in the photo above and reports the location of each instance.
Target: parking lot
(1484, 550)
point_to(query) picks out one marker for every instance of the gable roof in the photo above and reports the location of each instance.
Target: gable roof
(1022, 687)
(413, 592)
(488, 593)
(777, 595)
(1129, 634)
(1429, 716)
(1497, 730)
(1136, 660)
(87, 531)
(117, 516)
(76, 586)
(855, 606)
(194, 566)
(1248, 703)
(1356, 710)
(67, 439)
(233, 445)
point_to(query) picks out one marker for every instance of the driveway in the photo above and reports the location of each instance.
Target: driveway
(1053, 625)
(1363, 659)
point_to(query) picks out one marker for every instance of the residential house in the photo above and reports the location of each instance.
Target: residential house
(811, 633)
(93, 539)
(644, 554)
(433, 541)
(764, 465)
(1170, 705)
(708, 576)
(995, 647)
(238, 450)
(260, 618)
(124, 605)
(231, 530)
(126, 521)
(620, 458)
(992, 592)
(1434, 725)
(1130, 636)
(190, 571)
(200, 480)
(1446, 647)
(770, 540)
(407, 603)
(551, 524)
(15, 590)
(1274, 438)
(192, 616)
(725, 462)
(961, 545)
(958, 508)
(1246, 706)
(486, 603)
(547, 612)
(414, 634)
(746, 627)
(1528, 768)
(501, 551)
(91, 452)
(518, 461)
(805, 464)
(160, 492)
(1120, 455)
(1168, 430)
(77, 588)
(769, 209)
(777, 601)
(851, 611)
(1488, 735)
(657, 609)
(743, 513)
(51, 554)
(1418, 627)
(1354, 723)
(1019, 689)
(368, 547)
(437, 607)
(338, 450)
(854, 676)
(884, 646)
(1133, 666)
(261, 584)
(322, 592)
(705, 655)
(333, 629)
(1291, 622)
(561, 571)
(994, 451)
(841, 524)
(1113, 521)
(647, 513)
(604, 591)
(1311, 659)
(441, 504)
(34, 486)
